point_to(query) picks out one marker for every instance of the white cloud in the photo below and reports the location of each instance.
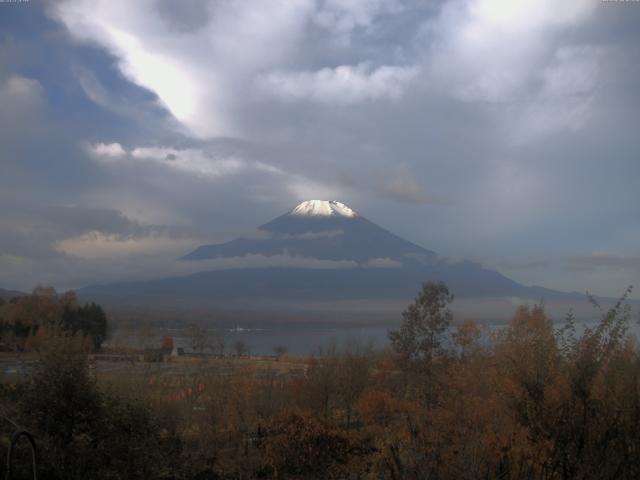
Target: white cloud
(488, 50)
(21, 99)
(98, 245)
(342, 17)
(199, 75)
(343, 85)
(106, 151)
(20, 87)
(281, 260)
(203, 75)
(211, 74)
(567, 85)
(23, 120)
(204, 163)
(190, 160)
(382, 263)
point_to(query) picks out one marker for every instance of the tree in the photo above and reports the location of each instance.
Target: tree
(280, 350)
(300, 446)
(89, 319)
(61, 402)
(466, 336)
(83, 432)
(44, 312)
(240, 348)
(424, 323)
(199, 338)
(167, 343)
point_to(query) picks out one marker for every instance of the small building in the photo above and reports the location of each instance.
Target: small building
(177, 351)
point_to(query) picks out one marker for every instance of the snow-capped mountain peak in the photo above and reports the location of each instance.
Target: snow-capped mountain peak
(322, 208)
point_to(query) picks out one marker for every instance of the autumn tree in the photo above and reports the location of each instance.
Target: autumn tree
(424, 323)
(298, 445)
(167, 342)
(352, 378)
(528, 348)
(595, 426)
(45, 313)
(466, 336)
(321, 386)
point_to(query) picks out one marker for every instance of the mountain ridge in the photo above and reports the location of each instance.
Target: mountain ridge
(379, 265)
(326, 236)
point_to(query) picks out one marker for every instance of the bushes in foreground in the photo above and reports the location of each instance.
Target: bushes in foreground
(526, 402)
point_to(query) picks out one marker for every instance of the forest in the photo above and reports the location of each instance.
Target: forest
(446, 400)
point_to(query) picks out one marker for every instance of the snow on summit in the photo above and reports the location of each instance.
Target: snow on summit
(322, 208)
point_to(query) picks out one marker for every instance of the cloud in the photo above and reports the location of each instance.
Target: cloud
(609, 260)
(209, 63)
(489, 50)
(106, 151)
(264, 261)
(98, 245)
(22, 101)
(401, 185)
(343, 85)
(382, 263)
(39, 232)
(202, 75)
(198, 74)
(189, 160)
(523, 264)
(213, 64)
(342, 18)
(310, 235)
(210, 164)
(193, 161)
(20, 90)
(516, 60)
(513, 112)
(567, 87)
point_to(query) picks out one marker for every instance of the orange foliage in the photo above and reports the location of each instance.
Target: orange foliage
(167, 342)
(381, 407)
(298, 445)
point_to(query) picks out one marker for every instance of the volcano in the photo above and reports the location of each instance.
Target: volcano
(324, 230)
(321, 250)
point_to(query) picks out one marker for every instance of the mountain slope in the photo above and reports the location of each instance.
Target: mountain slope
(9, 294)
(315, 229)
(373, 263)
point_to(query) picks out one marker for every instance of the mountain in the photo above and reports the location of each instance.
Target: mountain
(320, 251)
(324, 230)
(9, 294)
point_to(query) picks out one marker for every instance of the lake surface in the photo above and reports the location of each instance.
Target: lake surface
(307, 341)
(299, 341)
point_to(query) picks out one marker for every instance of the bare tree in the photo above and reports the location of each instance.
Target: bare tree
(240, 348)
(280, 350)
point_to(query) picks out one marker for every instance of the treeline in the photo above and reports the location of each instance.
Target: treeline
(27, 321)
(525, 402)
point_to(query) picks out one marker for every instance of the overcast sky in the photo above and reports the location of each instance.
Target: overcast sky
(506, 132)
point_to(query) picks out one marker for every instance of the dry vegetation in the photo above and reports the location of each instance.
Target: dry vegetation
(527, 402)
